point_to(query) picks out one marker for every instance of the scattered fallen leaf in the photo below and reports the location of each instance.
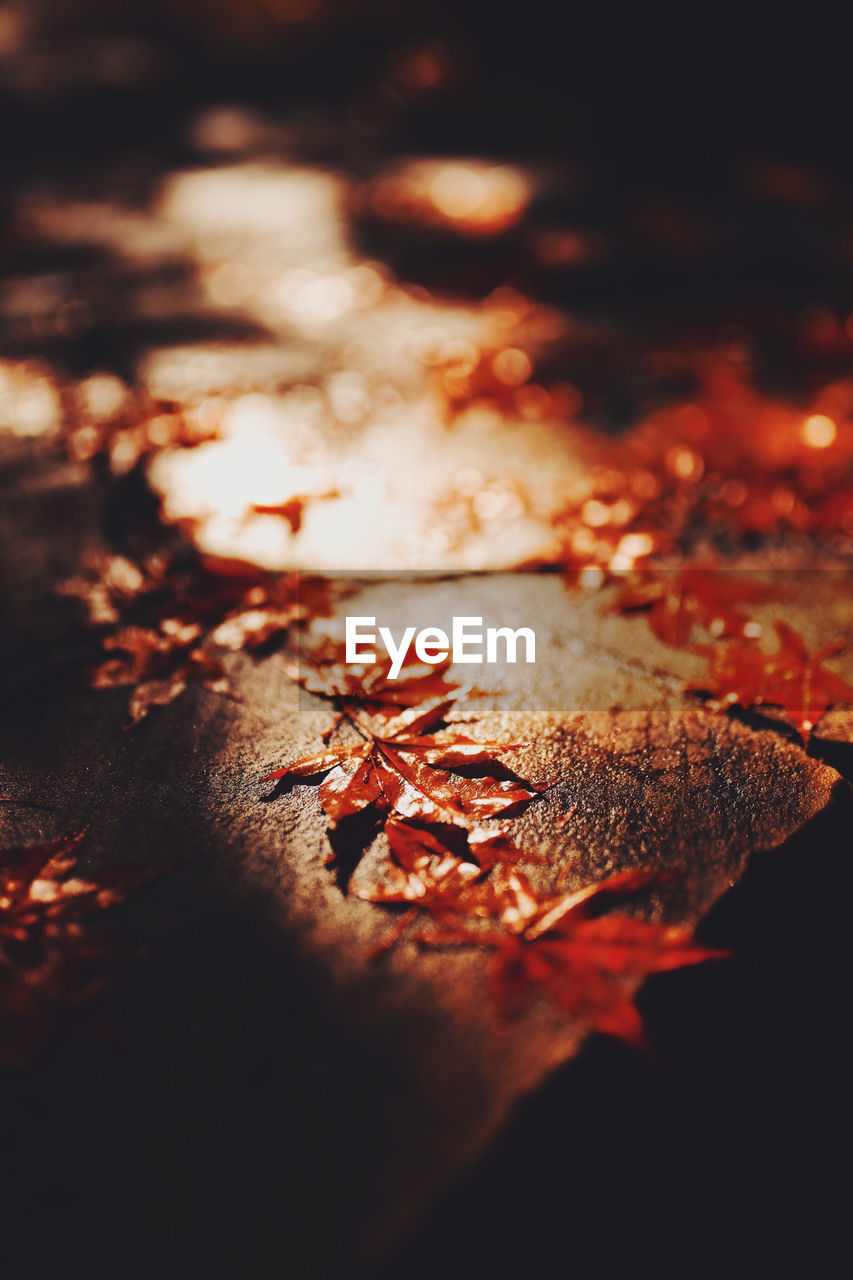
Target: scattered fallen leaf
(438, 781)
(678, 601)
(439, 866)
(368, 688)
(692, 470)
(50, 960)
(159, 664)
(744, 675)
(410, 768)
(161, 623)
(588, 966)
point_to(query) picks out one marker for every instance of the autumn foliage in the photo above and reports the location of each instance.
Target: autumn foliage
(408, 764)
(52, 959)
(394, 772)
(166, 623)
(792, 679)
(432, 792)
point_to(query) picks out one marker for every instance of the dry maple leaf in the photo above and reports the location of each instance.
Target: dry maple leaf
(162, 622)
(159, 664)
(401, 768)
(49, 959)
(440, 867)
(368, 688)
(676, 602)
(588, 966)
(744, 675)
(436, 781)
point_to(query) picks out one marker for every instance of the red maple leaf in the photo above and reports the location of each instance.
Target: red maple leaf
(744, 675)
(440, 867)
(159, 664)
(368, 688)
(588, 966)
(676, 602)
(163, 623)
(49, 959)
(404, 770)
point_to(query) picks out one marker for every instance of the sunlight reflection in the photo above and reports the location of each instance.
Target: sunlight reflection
(818, 431)
(383, 497)
(302, 209)
(30, 403)
(320, 413)
(472, 196)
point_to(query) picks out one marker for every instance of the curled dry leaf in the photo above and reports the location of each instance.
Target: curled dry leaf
(162, 622)
(744, 675)
(588, 966)
(445, 782)
(677, 602)
(368, 688)
(50, 959)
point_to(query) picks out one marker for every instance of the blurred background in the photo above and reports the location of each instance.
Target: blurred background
(544, 226)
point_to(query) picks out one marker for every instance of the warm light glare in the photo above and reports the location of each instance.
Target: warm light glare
(473, 196)
(512, 367)
(818, 431)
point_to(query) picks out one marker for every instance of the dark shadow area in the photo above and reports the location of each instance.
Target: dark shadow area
(725, 1155)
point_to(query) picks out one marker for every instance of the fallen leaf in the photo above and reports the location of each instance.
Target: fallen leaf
(159, 664)
(413, 778)
(676, 602)
(49, 959)
(369, 688)
(440, 867)
(744, 675)
(162, 622)
(587, 966)
(404, 770)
